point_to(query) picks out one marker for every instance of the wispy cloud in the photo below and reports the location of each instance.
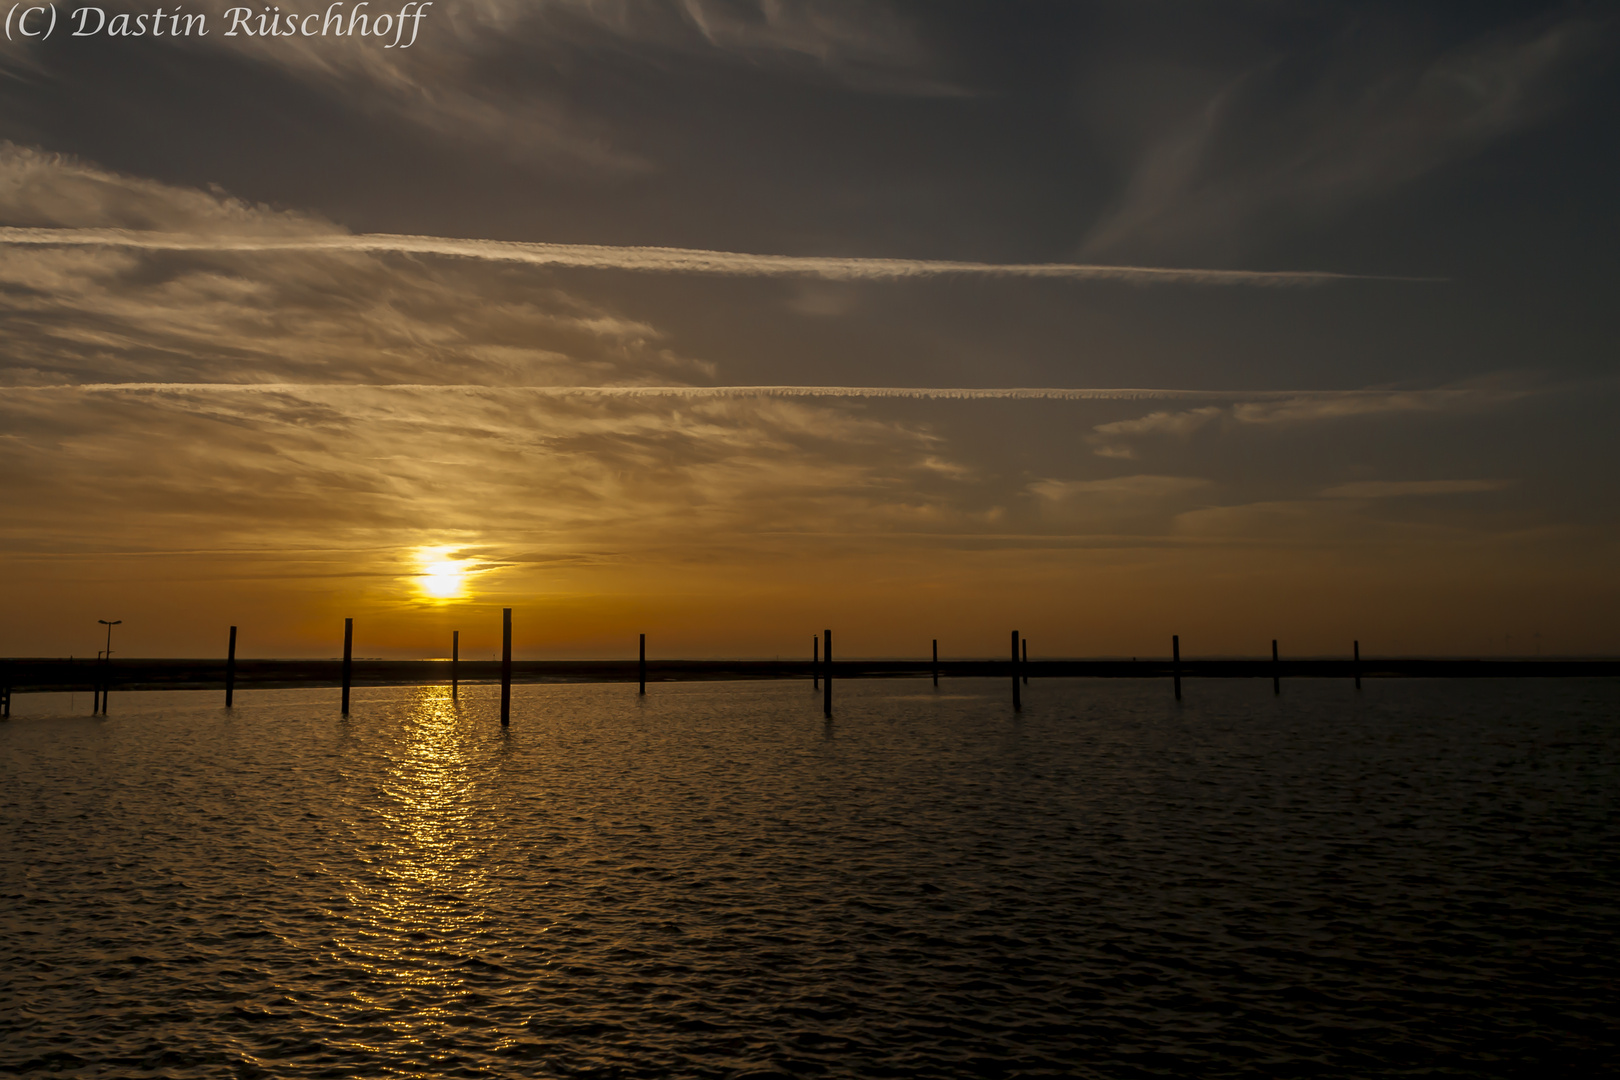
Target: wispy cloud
(350, 464)
(662, 260)
(1155, 423)
(1394, 489)
(1326, 125)
(486, 72)
(1284, 407)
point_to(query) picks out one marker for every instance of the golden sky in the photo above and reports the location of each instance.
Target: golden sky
(466, 341)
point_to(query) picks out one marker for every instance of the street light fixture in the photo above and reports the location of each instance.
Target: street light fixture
(109, 626)
(101, 692)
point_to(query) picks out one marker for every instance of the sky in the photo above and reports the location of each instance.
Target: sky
(727, 321)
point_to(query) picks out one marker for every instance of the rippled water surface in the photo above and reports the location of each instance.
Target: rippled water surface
(1422, 879)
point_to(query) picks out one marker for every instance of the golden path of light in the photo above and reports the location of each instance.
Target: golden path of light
(414, 919)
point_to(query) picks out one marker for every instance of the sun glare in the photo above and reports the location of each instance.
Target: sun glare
(442, 577)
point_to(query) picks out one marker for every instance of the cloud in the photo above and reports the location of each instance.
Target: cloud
(268, 382)
(50, 193)
(662, 260)
(86, 312)
(864, 45)
(1308, 408)
(1308, 132)
(1140, 505)
(109, 315)
(502, 74)
(1177, 424)
(1290, 407)
(1389, 489)
(1155, 423)
(1118, 487)
(481, 468)
(51, 201)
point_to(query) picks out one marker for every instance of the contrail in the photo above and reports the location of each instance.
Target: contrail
(930, 393)
(667, 260)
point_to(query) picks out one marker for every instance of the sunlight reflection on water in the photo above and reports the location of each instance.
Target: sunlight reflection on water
(712, 881)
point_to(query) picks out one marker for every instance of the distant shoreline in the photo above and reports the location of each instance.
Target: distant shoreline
(41, 675)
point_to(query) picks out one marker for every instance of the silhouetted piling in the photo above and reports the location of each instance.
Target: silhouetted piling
(1276, 669)
(643, 666)
(506, 667)
(1026, 661)
(1175, 662)
(1018, 701)
(826, 683)
(455, 664)
(936, 661)
(1357, 666)
(348, 661)
(230, 670)
(815, 662)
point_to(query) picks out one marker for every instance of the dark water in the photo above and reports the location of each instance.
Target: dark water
(1423, 880)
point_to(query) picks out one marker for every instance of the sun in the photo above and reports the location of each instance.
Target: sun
(442, 577)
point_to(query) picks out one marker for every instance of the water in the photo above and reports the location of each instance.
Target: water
(713, 882)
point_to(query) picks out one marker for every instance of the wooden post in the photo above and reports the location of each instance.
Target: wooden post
(643, 668)
(230, 670)
(815, 662)
(1018, 703)
(936, 661)
(455, 664)
(506, 667)
(348, 660)
(1026, 661)
(826, 683)
(1276, 669)
(1175, 662)
(1357, 668)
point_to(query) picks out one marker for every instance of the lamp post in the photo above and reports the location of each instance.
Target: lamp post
(106, 676)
